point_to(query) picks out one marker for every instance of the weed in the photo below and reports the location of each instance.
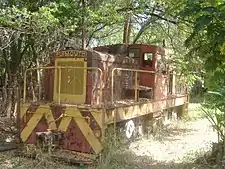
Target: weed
(175, 147)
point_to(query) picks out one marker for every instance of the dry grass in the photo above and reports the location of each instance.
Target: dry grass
(176, 146)
(9, 161)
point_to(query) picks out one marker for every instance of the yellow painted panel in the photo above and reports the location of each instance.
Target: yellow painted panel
(73, 81)
(128, 112)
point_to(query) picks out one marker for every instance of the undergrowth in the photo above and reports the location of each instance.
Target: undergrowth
(195, 112)
(117, 154)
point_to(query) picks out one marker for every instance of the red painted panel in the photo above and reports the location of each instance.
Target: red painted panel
(147, 79)
(57, 111)
(49, 84)
(73, 139)
(42, 126)
(146, 49)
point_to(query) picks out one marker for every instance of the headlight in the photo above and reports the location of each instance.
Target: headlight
(97, 133)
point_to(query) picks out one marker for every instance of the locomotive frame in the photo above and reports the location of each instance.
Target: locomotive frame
(71, 121)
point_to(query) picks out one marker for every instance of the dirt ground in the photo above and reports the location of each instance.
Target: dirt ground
(176, 146)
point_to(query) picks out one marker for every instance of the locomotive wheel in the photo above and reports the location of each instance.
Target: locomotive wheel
(129, 129)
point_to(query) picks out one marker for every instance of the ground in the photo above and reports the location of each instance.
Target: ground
(176, 146)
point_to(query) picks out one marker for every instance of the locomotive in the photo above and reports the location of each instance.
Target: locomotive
(69, 103)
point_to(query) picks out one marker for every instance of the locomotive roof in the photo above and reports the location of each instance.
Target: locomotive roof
(92, 55)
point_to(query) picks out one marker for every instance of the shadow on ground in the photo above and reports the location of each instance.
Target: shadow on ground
(172, 133)
(127, 160)
(114, 159)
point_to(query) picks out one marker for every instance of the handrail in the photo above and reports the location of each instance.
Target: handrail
(62, 67)
(136, 82)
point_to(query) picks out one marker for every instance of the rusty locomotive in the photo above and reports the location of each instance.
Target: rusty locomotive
(71, 101)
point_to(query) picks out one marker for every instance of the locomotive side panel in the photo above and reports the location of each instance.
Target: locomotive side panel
(107, 62)
(161, 86)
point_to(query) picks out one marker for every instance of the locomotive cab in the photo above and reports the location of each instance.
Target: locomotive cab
(150, 57)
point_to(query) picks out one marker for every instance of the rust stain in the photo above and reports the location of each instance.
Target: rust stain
(57, 111)
(74, 140)
(93, 123)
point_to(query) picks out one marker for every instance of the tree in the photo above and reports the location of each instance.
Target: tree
(32, 30)
(206, 40)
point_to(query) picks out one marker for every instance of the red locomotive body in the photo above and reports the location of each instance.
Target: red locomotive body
(84, 91)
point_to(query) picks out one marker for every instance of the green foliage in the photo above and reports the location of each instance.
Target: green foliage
(214, 108)
(42, 27)
(216, 99)
(207, 38)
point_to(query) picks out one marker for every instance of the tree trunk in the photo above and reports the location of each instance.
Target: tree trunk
(127, 29)
(83, 26)
(127, 23)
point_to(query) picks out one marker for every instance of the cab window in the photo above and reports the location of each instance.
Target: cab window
(134, 53)
(148, 59)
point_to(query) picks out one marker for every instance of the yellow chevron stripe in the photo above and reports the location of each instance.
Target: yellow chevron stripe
(65, 122)
(50, 119)
(98, 117)
(83, 126)
(36, 117)
(23, 110)
(71, 113)
(30, 126)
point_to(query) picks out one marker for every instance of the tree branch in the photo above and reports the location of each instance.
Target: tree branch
(148, 13)
(92, 34)
(162, 18)
(110, 33)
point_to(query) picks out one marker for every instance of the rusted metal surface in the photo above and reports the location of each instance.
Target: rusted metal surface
(74, 133)
(120, 49)
(74, 140)
(117, 93)
(161, 86)
(106, 63)
(128, 109)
